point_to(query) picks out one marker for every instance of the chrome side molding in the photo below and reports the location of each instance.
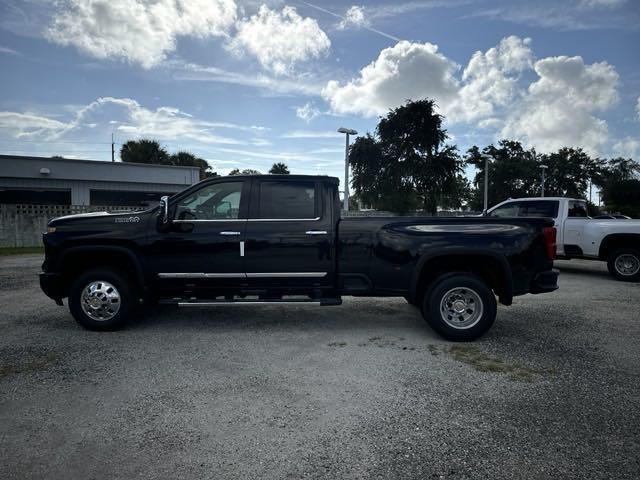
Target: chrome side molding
(244, 275)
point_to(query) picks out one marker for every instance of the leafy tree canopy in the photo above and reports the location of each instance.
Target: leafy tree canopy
(406, 165)
(246, 171)
(151, 152)
(279, 169)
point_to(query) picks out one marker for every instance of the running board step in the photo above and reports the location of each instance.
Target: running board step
(212, 303)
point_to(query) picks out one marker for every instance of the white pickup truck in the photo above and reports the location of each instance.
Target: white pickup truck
(615, 241)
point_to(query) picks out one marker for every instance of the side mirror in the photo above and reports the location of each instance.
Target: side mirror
(163, 216)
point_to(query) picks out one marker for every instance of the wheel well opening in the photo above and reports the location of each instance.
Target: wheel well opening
(615, 242)
(486, 267)
(76, 263)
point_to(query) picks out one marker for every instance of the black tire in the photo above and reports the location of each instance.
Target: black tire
(632, 274)
(471, 292)
(123, 289)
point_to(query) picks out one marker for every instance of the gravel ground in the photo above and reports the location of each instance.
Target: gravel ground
(365, 390)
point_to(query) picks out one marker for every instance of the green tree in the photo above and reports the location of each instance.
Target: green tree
(623, 196)
(187, 159)
(406, 164)
(569, 172)
(150, 151)
(513, 173)
(620, 186)
(246, 171)
(144, 151)
(279, 168)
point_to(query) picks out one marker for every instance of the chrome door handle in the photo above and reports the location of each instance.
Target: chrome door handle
(316, 232)
(229, 233)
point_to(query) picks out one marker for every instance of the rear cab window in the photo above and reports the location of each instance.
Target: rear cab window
(528, 208)
(286, 199)
(577, 209)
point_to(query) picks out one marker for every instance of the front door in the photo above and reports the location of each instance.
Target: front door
(204, 245)
(290, 235)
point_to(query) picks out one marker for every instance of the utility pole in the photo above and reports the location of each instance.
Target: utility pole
(113, 149)
(347, 132)
(543, 168)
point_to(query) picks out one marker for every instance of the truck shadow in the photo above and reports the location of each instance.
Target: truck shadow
(352, 316)
(584, 270)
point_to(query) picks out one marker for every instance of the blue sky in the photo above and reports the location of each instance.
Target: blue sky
(245, 84)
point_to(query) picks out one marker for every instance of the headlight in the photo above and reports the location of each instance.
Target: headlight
(51, 229)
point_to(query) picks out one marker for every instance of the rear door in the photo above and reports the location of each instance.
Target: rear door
(289, 241)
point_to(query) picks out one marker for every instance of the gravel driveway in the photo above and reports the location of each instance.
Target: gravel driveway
(365, 390)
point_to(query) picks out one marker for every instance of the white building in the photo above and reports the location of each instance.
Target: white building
(57, 181)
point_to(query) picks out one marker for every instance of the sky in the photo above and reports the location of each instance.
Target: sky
(244, 84)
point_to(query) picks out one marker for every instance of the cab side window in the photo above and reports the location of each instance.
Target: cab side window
(287, 199)
(507, 210)
(219, 201)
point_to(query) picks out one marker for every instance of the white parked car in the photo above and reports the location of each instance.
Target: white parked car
(615, 241)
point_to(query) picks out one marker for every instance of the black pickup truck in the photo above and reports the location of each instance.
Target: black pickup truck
(280, 239)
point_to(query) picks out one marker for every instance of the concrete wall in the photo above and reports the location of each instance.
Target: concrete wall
(23, 225)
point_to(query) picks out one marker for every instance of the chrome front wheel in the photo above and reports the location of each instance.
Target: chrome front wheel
(100, 300)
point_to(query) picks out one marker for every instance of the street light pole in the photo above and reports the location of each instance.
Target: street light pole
(543, 168)
(487, 158)
(347, 132)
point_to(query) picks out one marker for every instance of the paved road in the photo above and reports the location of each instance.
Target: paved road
(365, 390)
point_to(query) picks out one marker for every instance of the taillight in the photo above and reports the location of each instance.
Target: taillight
(550, 241)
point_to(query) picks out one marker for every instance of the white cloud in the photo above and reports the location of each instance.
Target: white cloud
(128, 118)
(25, 124)
(558, 109)
(353, 17)
(404, 71)
(9, 51)
(307, 112)
(490, 79)
(280, 39)
(601, 3)
(638, 108)
(311, 134)
(627, 147)
(139, 31)
(300, 85)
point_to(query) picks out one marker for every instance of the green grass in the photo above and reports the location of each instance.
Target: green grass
(20, 250)
(30, 366)
(482, 362)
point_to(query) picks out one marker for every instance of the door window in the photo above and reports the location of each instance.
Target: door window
(287, 199)
(219, 201)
